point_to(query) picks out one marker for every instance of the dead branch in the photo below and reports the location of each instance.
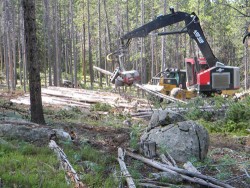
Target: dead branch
(65, 164)
(170, 158)
(165, 160)
(209, 181)
(124, 170)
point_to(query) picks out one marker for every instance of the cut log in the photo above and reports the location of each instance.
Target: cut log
(65, 164)
(124, 170)
(209, 181)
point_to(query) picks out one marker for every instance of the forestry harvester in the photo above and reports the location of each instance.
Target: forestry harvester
(204, 75)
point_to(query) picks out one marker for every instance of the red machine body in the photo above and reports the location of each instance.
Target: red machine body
(213, 79)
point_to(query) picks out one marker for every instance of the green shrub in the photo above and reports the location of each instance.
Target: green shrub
(238, 111)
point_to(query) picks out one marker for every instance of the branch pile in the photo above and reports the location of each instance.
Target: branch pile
(189, 174)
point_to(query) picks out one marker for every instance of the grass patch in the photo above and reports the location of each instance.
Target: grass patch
(96, 168)
(28, 166)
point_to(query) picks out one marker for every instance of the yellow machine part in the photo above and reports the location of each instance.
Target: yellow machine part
(166, 87)
(185, 94)
(229, 92)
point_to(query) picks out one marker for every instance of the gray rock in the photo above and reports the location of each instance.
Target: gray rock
(32, 134)
(163, 118)
(182, 140)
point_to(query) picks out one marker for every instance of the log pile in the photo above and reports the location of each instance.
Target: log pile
(82, 98)
(187, 174)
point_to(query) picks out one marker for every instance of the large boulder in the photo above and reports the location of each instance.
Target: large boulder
(32, 133)
(181, 139)
(163, 118)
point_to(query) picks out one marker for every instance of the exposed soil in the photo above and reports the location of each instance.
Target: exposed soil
(106, 139)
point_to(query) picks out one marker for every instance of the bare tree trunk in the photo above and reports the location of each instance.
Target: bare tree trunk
(246, 84)
(143, 63)
(8, 22)
(34, 66)
(152, 43)
(84, 53)
(19, 49)
(13, 39)
(1, 57)
(84, 45)
(108, 31)
(99, 40)
(137, 23)
(75, 56)
(74, 73)
(91, 72)
(24, 55)
(57, 46)
(163, 44)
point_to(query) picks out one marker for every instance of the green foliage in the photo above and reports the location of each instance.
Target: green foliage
(101, 107)
(195, 113)
(239, 111)
(135, 169)
(96, 167)
(135, 137)
(28, 166)
(236, 120)
(65, 114)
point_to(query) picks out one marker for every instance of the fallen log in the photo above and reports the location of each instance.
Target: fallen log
(186, 166)
(166, 97)
(124, 170)
(103, 71)
(150, 185)
(65, 164)
(156, 182)
(194, 177)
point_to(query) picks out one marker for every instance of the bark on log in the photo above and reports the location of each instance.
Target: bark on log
(209, 181)
(171, 159)
(189, 166)
(65, 164)
(124, 170)
(150, 185)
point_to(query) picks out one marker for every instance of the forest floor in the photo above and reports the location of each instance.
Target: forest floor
(107, 129)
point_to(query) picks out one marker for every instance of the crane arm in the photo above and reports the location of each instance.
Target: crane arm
(192, 27)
